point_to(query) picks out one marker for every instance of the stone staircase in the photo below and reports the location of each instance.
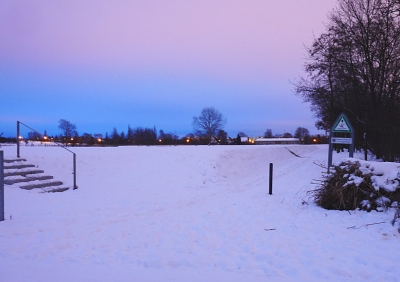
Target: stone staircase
(28, 177)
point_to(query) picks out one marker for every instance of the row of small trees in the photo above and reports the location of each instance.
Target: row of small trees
(148, 136)
(300, 133)
(208, 128)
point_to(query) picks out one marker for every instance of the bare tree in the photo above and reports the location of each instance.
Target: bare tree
(144, 136)
(208, 123)
(88, 139)
(68, 129)
(268, 133)
(115, 137)
(287, 135)
(167, 138)
(301, 133)
(222, 137)
(354, 67)
(98, 136)
(34, 135)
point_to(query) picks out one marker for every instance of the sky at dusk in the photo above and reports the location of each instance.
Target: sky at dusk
(106, 64)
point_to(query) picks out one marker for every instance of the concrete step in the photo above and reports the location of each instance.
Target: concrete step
(54, 189)
(21, 173)
(24, 173)
(41, 185)
(14, 160)
(27, 179)
(19, 166)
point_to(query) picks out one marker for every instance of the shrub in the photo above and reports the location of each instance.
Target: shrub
(353, 185)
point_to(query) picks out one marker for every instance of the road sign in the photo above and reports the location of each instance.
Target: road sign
(342, 125)
(340, 140)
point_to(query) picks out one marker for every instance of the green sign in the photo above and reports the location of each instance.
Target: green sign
(342, 125)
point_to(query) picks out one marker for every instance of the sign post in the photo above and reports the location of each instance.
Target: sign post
(342, 125)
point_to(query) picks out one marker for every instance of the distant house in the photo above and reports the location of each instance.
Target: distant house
(276, 141)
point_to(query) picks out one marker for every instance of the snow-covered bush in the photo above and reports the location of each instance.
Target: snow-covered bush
(360, 184)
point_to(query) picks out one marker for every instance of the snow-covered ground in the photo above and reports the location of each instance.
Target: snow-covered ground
(188, 213)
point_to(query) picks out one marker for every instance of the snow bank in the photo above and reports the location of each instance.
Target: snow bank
(385, 175)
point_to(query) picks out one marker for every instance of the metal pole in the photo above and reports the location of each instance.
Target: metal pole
(1, 186)
(17, 139)
(270, 177)
(330, 151)
(75, 187)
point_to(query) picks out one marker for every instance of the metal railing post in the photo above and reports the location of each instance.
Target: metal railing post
(17, 139)
(62, 146)
(1, 186)
(75, 187)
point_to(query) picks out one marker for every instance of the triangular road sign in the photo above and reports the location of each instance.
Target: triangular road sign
(342, 125)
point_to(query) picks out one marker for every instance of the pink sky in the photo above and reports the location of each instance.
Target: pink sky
(182, 36)
(249, 42)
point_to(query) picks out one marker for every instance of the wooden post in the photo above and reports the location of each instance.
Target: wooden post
(270, 177)
(75, 187)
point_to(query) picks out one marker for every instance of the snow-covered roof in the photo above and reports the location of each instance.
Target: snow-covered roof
(276, 139)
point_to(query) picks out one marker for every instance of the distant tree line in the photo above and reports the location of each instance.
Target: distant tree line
(208, 129)
(149, 136)
(8, 139)
(303, 134)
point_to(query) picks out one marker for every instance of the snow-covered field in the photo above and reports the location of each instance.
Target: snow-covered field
(188, 213)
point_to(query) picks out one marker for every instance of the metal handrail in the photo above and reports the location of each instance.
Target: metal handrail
(1, 186)
(61, 145)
